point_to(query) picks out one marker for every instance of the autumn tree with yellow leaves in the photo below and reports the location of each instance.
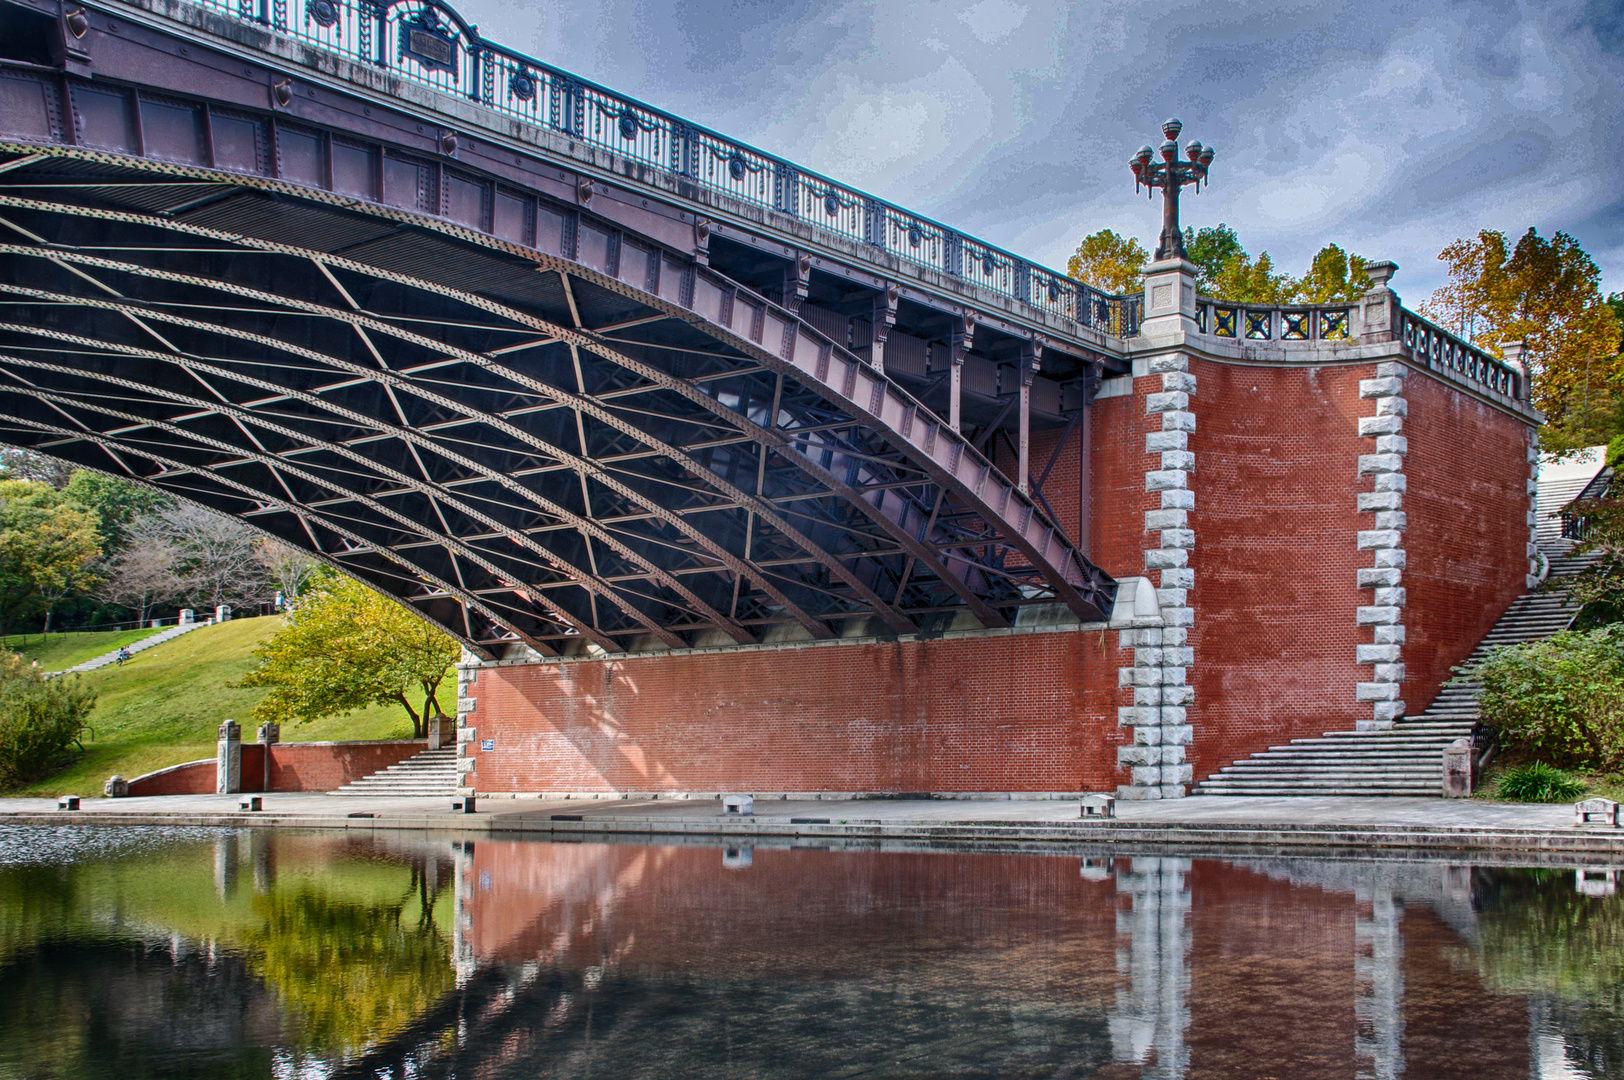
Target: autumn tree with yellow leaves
(1547, 293)
(346, 647)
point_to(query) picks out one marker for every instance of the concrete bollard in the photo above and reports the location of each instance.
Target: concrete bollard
(1602, 812)
(116, 787)
(1458, 769)
(228, 759)
(467, 805)
(742, 805)
(253, 804)
(68, 802)
(1097, 806)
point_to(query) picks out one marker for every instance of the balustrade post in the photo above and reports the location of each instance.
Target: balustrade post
(1378, 309)
(786, 189)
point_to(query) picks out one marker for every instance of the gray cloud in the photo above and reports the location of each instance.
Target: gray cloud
(1388, 126)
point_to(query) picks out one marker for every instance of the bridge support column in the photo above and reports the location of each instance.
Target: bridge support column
(1385, 613)
(1031, 360)
(963, 336)
(1162, 658)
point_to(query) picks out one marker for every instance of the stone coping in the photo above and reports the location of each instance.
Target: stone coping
(1400, 828)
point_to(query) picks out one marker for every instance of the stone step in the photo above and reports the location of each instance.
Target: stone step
(426, 774)
(1407, 758)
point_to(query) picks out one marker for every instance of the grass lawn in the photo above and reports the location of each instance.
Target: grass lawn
(58, 652)
(165, 705)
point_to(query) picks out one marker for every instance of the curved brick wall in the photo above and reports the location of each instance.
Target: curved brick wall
(316, 766)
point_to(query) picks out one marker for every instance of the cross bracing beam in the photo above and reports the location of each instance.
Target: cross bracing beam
(549, 453)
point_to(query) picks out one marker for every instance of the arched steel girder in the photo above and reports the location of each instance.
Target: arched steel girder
(581, 402)
(464, 550)
(691, 381)
(815, 627)
(415, 574)
(247, 418)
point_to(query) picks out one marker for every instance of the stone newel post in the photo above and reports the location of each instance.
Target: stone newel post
(228, 759)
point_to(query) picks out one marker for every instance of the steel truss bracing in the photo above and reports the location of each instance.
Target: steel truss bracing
(523, 449)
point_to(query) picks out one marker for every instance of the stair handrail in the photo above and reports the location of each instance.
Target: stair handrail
(1575, 526)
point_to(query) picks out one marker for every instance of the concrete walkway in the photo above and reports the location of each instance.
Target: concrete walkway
(1394, 824)
(148, 642)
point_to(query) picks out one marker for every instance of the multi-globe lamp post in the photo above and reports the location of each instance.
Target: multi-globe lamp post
(1171, 175)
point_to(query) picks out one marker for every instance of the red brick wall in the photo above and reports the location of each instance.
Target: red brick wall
(1276, 479)
(319, 766)
(325, 766)
(1276, 484)
(192, 778)
(1005, 713)
(1466, 546)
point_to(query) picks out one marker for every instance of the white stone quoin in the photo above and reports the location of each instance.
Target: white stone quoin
(1162, 655)
(1384, 539)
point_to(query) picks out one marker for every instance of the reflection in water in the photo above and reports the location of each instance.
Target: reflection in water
(1150, 1018)
(264, 954)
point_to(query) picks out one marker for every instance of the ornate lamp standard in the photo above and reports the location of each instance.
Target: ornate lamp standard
(1170, 174)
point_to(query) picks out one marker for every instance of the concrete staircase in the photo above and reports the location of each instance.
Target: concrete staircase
(431, 773)
(1408, 758)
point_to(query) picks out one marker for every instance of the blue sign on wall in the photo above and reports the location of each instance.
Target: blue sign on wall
(487, 744)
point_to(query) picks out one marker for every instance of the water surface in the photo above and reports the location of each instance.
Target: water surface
(140, 953)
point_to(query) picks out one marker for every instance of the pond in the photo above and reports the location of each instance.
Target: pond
(152, 952)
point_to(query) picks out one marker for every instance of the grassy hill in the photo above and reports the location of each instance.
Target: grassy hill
(165, 705)
(58, 652)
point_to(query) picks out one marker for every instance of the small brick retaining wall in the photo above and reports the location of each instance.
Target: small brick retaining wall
(313, 766)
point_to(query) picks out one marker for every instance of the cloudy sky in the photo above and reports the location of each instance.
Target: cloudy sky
(1390, 127)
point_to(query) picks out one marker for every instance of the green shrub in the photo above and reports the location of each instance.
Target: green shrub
(1560, 699)
(1538, 782)
(39, 717)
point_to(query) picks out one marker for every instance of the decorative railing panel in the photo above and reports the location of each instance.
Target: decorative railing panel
(430, 44)
(1255, 323)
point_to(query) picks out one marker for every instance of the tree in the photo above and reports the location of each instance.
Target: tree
(1333, 277)
(215, 559)
(32, 465)
(140, 577)
(1110, 263)
(1243, 281)
(346, 647)
(290, 568)
(116, 502)
(47, 548)
(39, 717)
(1209, 249)
(1547, 293)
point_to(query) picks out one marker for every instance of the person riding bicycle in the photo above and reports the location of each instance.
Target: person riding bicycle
(123, 655)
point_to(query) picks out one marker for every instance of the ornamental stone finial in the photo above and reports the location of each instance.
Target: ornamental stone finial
(1170, 174)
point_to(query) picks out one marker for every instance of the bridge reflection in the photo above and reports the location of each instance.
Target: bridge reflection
(401, 956)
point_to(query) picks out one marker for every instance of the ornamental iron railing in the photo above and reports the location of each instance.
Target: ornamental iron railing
(1305, 323)
(431, 44)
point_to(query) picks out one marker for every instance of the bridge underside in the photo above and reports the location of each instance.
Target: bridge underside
(523, 449)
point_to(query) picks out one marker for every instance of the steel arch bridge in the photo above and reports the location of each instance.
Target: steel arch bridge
(521, 448)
